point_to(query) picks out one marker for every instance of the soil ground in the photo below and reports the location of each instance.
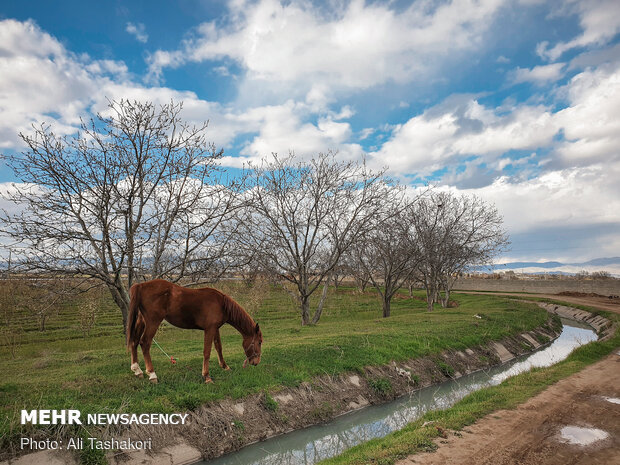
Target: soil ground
(530, 434)
(595, 301)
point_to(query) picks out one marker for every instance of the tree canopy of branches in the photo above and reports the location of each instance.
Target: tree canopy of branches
(305, 215)
(450, 233)
(384, 255)
(134, 195)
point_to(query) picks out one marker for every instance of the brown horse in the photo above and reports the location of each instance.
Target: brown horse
(207, 309)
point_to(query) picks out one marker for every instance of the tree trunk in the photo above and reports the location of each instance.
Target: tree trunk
(386, 305)
(319, 309)
(305, 310)
(445, 303)
(410, 289)
(430, 298)
(121, 298)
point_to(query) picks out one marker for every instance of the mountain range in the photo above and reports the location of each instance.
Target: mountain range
(608, 264)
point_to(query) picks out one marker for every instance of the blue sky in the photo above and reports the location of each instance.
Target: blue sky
(517, 101)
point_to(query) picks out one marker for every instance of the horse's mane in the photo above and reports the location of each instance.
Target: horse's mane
(237, 316)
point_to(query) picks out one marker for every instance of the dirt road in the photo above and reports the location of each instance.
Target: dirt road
(602, 302)
(531, 434)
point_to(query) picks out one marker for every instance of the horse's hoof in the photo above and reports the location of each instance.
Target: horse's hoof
(153, 380)
(226, 368)
(208, 380)
(140, 375)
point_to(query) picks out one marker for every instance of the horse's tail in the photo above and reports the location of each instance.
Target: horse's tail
(132, 317)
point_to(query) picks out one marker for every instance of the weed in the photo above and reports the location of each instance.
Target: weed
(188, 401)
(541, 338)
(322, 412)
(382, 386)
(269, 402)
(90, 455)
(445, 369)
(238, 424)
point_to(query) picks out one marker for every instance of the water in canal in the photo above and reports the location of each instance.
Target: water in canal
(310, 445)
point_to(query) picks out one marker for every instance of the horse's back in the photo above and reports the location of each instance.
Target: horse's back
(181, 306)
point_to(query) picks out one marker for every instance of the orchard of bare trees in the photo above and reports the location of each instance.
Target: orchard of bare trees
(139, 194)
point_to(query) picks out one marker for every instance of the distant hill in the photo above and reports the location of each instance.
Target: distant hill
(609, 264)
(602, 261)
(515, 265)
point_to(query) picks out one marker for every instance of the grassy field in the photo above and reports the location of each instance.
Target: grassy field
(63, 368)
(416, 437)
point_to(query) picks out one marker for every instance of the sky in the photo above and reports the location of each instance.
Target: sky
(515, 101)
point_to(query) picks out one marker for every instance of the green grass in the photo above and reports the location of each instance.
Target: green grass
(382, 386)
(60, 368)
(515, 390)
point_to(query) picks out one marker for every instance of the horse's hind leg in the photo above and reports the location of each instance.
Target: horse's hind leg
(133, 347)
(145, 343)
(218, 347)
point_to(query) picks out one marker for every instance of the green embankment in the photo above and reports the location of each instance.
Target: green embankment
(62, 368)
(418, 438)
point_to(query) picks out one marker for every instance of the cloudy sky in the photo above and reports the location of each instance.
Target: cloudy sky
(517, 101)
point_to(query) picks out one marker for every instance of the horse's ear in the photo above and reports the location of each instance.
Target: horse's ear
(257, 329)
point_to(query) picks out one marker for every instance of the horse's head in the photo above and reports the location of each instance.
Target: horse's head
(252, 346)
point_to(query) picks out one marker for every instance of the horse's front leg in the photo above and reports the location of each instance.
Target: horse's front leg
(209, 336)
(145, 343)
(218, 348)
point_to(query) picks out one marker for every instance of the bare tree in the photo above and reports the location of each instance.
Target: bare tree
(11, 329)
(40, 297)
(384, 254)
(451, 233)
(351, 266)
(305, 215)
(423, 240)
(602, 274)
(134, 195)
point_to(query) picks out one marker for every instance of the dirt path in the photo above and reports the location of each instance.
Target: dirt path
(531, 433)
(604, 303)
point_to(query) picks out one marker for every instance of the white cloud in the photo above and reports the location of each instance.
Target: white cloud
(41, 81)
(538, 75)
(138, 31)
(159, 60)
(463, 127)
(599, 20)
(222, 71)
(568, 215)
(38, 78)
(47, 83)
(591, 122)
(354, 46)
(569, 197)
(282, 128)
